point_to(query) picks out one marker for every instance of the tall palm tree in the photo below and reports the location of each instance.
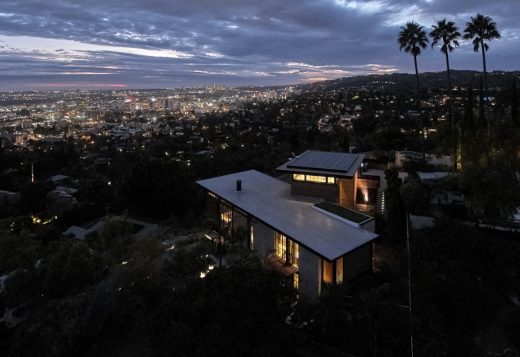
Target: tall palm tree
(412, 38)
(481, 29)
(447, 33)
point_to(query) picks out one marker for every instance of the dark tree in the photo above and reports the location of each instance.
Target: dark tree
(415, 195)
(395, 212)
(481, 29)
(412, 38)
(469, 121)
(447, 33)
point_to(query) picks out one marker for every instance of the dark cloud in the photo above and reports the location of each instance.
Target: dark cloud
(229, 41)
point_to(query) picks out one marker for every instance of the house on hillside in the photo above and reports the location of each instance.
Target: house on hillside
(333, 176)
(309, 240)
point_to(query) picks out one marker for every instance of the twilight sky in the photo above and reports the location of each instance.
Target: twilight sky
(57, 44)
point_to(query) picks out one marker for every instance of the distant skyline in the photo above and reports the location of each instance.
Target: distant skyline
(105, 44)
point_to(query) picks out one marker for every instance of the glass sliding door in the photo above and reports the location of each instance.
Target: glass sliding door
(287, 249)
(294, 253)
(226, 219)
(280, 245)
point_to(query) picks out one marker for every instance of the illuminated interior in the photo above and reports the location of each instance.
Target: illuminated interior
(280, 245)
(296, 280)
(294, 253)
(251, 237)
(314, 179)
(327, 272)
(332, 272)
(298, 177)
(339, 270)
(286, 249)
(226, 217)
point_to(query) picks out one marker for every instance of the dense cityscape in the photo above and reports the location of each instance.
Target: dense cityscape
(65, 114)
(327, 211)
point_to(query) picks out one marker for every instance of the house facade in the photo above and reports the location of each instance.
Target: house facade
(311, 241)
(333, 176)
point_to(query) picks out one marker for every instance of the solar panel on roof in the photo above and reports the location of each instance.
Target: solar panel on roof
(325, 161)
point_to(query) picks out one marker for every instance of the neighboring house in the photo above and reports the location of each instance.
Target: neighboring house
(9, 197)
(139, 229)
(61, 180)
(432, 177)
(61, 199)
(403, 156)
(515, 218)
(312, 242)
(77, 232)
(333, 176)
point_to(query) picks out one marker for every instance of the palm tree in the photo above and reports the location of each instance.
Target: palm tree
(447, 33)
(412, 38)
(481, 29)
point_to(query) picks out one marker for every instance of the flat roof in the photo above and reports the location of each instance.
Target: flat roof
(324, 163)
(431, 176)
(269, 200)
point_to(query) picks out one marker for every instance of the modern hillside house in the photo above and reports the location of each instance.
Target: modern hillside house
(333, 176)
(309, 240)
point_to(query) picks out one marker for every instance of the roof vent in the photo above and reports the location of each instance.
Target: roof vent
(239, 185)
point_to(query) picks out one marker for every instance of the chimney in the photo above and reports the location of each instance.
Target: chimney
(239, 185)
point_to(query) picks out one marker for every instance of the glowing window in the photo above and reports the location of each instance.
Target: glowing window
(316, 179)
(296, 280)
(298, 177)
(286, 249)
(251, 237)
(280, 245)
(339, 270)
(294, 253)
(226, 215)
(327, 272)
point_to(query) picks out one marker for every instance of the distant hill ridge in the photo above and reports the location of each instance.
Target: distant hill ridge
(429, 80)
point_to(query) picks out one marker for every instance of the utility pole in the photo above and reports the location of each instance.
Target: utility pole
(409, 282)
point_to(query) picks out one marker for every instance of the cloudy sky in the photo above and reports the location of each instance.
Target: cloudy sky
(56, 44)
